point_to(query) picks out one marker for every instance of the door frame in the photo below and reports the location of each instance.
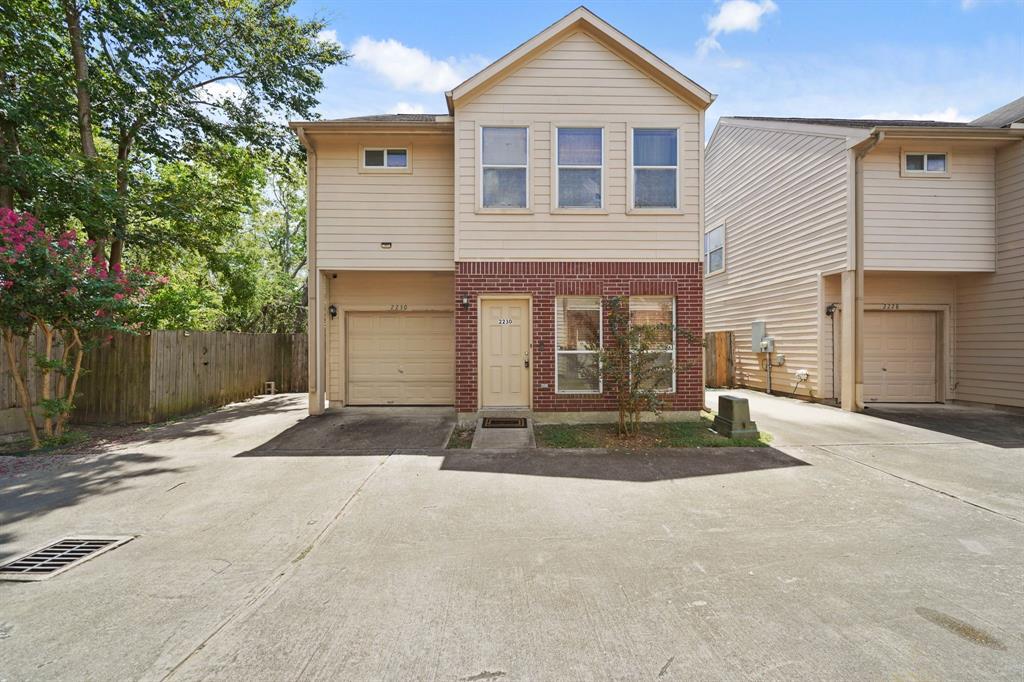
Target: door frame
(944, 379)
(480, 339)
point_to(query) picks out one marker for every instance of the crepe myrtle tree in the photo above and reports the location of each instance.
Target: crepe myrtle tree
(630, 363)
(54, 286)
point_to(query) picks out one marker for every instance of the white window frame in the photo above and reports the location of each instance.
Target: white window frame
(632, 207)
(675, 342)
(925, 173)
(600, 342)
(407, 168)
(481, 166)
(557, 207)
(709, 273)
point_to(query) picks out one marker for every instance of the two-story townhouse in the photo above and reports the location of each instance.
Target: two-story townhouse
(468, 258)
(885, 258)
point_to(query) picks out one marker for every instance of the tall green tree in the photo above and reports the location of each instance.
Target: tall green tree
(159, 78)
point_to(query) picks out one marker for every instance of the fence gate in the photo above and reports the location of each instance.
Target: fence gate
(718, 360)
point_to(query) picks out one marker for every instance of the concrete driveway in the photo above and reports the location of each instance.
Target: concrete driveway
(802, 561)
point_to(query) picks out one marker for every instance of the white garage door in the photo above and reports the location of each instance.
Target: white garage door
(400, 358)
(899, 357)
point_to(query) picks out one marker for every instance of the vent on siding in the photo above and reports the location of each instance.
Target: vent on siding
(59, 556)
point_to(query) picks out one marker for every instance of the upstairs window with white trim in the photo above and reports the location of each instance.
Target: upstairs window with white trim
(655, 168)
(925, 163)
(714, 250)
(578, 337)
(580, 161)
(504, 153)
(658, 312)
(389, 158)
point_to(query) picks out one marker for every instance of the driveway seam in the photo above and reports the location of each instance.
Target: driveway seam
(281, 575)
(920, 485)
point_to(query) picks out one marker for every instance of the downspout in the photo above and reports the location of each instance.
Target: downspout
(877, 137)
(315, 331)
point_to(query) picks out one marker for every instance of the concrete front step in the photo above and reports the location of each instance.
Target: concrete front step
(503, 438)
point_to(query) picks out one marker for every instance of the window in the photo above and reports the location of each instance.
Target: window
(714, 250)
(658, 312)
(580, 161)
(385, 158)
(578, 337)
(503, 157)
(655, 168)
(919, 163)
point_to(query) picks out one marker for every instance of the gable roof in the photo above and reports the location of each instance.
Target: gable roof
(1003, 117)
(582, 18)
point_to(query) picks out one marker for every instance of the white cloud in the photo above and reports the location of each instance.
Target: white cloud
(329, 35)
(968, 4)
(407, 108)
(734, 15)
(947, 114)
(219, 91)
(409, 68)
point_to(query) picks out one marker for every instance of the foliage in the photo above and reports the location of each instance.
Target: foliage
(52, 285)
(628, 364)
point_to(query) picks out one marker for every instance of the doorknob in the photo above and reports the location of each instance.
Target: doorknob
(526, 361)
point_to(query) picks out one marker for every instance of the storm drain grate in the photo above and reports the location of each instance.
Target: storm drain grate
(58, 557)
(504, 422)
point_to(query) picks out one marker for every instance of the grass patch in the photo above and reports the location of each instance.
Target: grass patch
(48, 446)
(461, 438)
(696, 434)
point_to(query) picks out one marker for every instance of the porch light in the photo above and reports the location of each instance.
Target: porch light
(333, 310)
(465, 302)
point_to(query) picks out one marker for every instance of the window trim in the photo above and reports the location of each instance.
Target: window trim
(600, 342)
(904, 153)
(631, 207)
(556, 167)
(480, 208)
(675, 342)
(704, 247)
(363, 168)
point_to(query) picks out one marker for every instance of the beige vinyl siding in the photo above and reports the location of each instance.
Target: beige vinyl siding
(577, 82)
(783, 198)
(379, 292)
(990, 329)
(357, 211)
(907, 291)
(929, 223)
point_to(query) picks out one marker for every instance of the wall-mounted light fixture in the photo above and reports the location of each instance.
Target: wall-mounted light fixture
(385, 245)
(465, 302)
(333, 310)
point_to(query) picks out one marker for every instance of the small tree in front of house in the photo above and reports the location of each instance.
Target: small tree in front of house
(52, 286)
(632, 363)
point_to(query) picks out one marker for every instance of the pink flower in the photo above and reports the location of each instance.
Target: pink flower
(118, 297)
(20, 248)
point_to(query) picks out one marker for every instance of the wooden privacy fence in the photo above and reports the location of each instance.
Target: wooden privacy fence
(164, 374)
(718, 359)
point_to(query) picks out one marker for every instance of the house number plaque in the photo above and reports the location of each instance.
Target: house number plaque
(399, 306)
(504, 321)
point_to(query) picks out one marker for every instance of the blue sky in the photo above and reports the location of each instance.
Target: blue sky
(946, 59)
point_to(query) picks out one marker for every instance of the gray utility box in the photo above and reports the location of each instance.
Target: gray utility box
(760, 342)
(733, 420)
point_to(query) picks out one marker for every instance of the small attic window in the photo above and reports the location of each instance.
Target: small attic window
(925, 164)
(386, 158)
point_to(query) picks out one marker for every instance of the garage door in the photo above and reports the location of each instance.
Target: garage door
(899, 357)
(400, 358)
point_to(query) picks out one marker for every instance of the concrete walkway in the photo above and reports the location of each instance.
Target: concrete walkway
(794, 562)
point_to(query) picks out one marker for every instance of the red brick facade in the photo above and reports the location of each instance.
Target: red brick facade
(544, 281)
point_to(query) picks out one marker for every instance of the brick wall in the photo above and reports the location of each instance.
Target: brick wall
(546, 280)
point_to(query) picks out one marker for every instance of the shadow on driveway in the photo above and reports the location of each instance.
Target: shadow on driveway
(361, 431)
(661, 465)
(983, 425)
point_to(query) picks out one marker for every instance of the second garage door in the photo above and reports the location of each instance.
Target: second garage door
(899, 357)
(400, 358)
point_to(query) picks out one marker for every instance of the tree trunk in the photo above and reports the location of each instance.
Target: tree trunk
(45, 376)
(72, 16)
(19, 383)
(62, 419)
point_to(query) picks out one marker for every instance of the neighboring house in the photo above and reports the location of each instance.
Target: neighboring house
(466, 258)
(886, 258)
